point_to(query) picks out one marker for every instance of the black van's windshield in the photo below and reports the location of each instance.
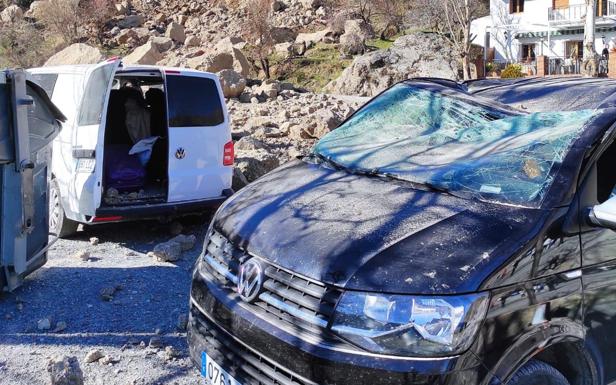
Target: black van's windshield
(424, 136)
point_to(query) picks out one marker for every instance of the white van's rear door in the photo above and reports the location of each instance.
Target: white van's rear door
(85, 189)
(199, 135)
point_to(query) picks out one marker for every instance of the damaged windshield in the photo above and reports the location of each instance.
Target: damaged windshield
(448, 143)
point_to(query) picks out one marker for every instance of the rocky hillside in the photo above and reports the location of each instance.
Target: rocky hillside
(303, 44)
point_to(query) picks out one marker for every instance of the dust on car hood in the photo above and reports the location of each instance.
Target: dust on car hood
(367, 233)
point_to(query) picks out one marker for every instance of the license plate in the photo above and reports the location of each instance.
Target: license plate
(214, 374)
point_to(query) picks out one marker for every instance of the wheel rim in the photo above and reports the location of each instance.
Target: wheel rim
(54, 208)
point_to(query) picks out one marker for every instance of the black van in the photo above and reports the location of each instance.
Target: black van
(435, 237)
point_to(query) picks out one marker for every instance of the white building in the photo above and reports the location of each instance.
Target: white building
(520, 30)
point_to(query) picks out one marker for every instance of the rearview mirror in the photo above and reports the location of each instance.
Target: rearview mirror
(604, 215)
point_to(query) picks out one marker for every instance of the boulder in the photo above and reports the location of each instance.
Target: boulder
(227, 43)
(351, 44)
(175, 31)
(213, 62)
(283, 48)
(145, 54)
(255, 163)
(248, 143)
(11, 14)
(78, 53)
(283, 35)
(232, 83)
(131, 21)
(192, 41)
(414, 55)
(278, 6)
(359, 27)
(310, 39)
(186, 242)
(37, 9)
(240, 64)
(162, 43)
(325, 122)
(65, 370)
(169, 251)
(269, 89)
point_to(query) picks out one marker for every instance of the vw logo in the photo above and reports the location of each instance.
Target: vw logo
(250, 280)
(180, 153)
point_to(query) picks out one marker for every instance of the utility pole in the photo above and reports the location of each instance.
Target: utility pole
(590, 62)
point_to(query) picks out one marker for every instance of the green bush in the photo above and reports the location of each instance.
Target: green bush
(512, 71)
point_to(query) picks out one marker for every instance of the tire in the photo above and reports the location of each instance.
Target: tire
(59, 224)
(537, 373)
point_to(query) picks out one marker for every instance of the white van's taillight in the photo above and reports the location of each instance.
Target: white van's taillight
(228, 154)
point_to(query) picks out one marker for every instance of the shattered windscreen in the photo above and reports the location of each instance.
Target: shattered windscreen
(449, 143)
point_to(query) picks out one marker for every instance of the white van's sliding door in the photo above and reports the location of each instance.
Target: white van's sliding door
(85, 189)
(198, 133)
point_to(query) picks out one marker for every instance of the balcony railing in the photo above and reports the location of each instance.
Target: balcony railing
(576, 13)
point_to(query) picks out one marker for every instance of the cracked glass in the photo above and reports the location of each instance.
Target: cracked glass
(450, 143)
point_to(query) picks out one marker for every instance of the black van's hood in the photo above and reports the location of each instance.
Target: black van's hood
(373, 234)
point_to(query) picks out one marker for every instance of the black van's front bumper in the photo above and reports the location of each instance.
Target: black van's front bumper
(254, 350)
(158, 210)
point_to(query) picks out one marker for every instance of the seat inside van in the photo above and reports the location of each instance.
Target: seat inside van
(136, 140)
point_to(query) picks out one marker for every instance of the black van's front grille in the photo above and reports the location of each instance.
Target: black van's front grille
(286, 296)
(243, 364)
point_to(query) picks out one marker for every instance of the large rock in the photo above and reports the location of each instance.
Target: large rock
(310, 39)
(351, 44)
(77, 53)
(359, 27)
(162, 43)
(37, 9)
(65, 370)
(131, 21)
(176, 32)
(232, 83)
(213, 62)
(11, 14)
(283, 35)
(227, 43)
(413, 55)
(145, 54)
(240, 63)
(255, 163)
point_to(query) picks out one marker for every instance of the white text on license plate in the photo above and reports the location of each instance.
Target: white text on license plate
(214, 374)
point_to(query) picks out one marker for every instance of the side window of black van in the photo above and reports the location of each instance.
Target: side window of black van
(193, 102)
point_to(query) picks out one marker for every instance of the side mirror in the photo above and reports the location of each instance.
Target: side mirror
(604, 215)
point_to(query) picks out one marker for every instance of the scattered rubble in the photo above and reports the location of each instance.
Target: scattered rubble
(83, 254)
(155, 342)
(172, 250)
(43, 324)
(93, 356)
(65, 370)
(60, 327)
(107, 293)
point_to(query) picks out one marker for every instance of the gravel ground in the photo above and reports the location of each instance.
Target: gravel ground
(149, 303)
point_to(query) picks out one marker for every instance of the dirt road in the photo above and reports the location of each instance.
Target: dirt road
(147, 301)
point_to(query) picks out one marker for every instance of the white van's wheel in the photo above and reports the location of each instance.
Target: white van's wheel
(59, 224)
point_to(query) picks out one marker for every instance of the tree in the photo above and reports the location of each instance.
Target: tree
(458, 16)
(96, 14)
(62, 17)
(22, 44)
(391, 14)
(590, 61)
(258, 32)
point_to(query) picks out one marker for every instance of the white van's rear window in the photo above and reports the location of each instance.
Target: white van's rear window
(193, 102)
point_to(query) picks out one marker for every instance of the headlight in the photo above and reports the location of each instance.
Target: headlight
(410, 325)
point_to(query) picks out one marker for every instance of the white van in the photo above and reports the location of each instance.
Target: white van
(139, 142)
